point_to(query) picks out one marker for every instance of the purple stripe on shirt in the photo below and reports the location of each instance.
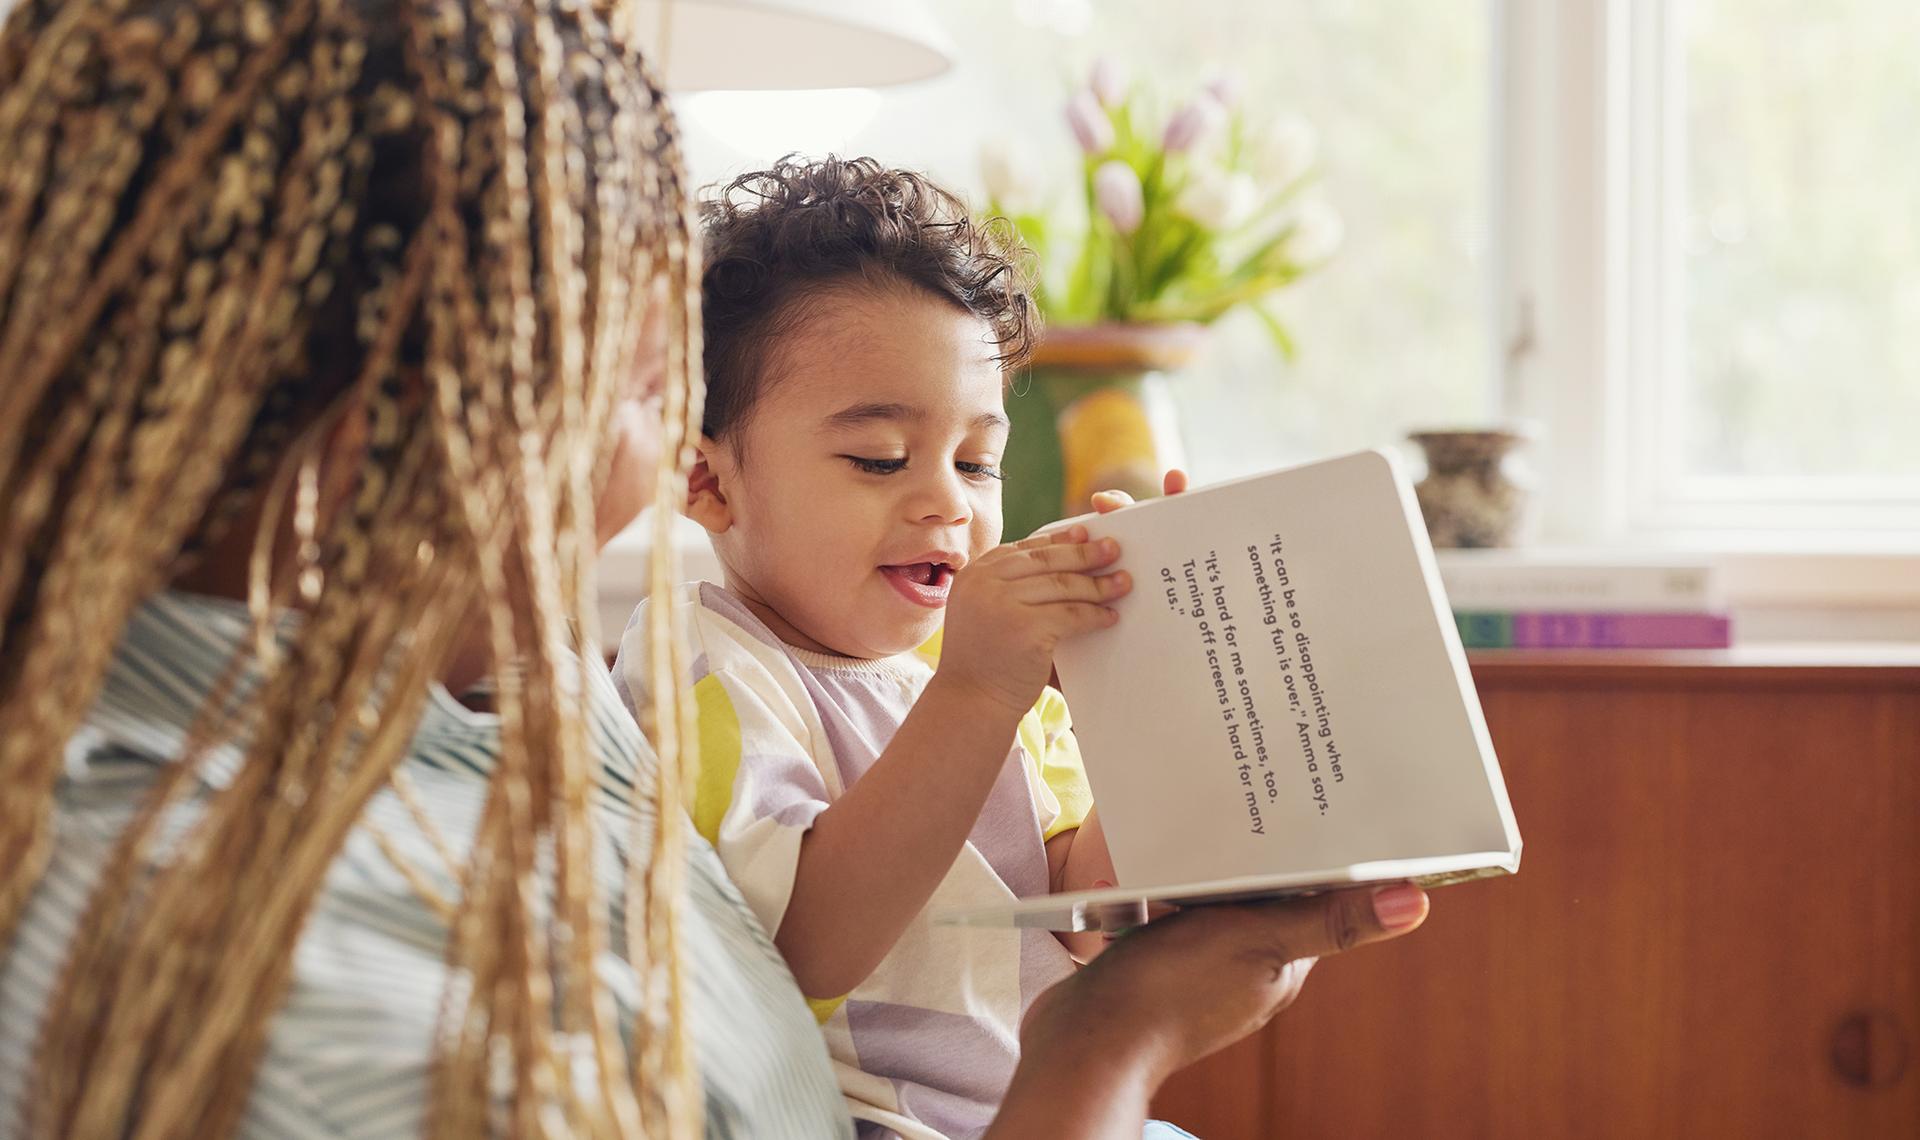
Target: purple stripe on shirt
(948, 1070)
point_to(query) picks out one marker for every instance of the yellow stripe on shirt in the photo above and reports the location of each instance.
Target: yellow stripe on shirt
(712, 790)
(1046, 732)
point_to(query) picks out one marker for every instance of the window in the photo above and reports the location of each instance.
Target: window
(1717, 268)
(1799, 241)
(1679, 237)
(1394, 333)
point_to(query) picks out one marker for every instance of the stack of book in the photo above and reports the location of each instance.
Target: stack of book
(1514, 599)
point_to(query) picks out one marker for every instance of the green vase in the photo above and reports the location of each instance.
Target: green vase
(1092, 413)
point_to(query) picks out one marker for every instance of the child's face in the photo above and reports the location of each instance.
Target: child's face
(866, 473)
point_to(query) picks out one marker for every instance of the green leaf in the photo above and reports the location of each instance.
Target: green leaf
(1171, 268)
(1281, 337)
(1188, 249)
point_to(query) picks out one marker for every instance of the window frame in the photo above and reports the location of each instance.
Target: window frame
(1588, 298)
(1573, 293)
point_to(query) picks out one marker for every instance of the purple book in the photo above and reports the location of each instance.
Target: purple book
(1594, 630)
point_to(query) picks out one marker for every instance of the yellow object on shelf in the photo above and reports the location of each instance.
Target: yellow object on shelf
(1107, 444)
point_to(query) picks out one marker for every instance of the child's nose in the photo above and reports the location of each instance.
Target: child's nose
(942, 499)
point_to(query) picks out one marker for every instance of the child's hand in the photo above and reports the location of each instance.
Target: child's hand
(1172, 483)
(1078, 860)
(1013, 605)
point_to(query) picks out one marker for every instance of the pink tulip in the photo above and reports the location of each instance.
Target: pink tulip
(1109, 82)
(1091, 127)
(1225, 88)
(1190, 124)
(1116, 188)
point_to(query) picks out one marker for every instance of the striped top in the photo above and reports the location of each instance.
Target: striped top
(347, 1055)
(926, 1045)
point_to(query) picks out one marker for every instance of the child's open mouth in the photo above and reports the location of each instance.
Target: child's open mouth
(922, 583)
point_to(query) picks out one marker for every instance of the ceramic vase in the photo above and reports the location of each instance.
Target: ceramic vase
(1094, 412)
(1471, 496)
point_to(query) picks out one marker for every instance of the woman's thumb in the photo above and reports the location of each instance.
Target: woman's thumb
(1354, 918)
(1346, 919)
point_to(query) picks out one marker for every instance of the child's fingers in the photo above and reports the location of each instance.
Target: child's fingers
(1065, 586)
(1013, 550)
(1069, 557)
(1075, 533)
(1082, 617)
(1104, 501)
(1174, 482)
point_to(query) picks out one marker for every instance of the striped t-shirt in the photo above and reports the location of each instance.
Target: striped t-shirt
(348, 1053)
(926, 1045)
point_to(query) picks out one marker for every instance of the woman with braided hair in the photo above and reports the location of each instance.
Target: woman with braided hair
(325, 326)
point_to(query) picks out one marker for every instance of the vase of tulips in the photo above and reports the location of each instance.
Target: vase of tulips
(1180, 217)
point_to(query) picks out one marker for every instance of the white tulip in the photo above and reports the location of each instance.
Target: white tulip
(1317, 232)
(1217, 199)
(1108, 82)
(1193, 123)
(1088, 120)
(1117, 191)
(1010, 175)
(1283, 150)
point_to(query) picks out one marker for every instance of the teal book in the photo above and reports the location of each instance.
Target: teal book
(1593, 630)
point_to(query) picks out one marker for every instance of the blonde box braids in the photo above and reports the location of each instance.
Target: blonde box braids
(222, 222)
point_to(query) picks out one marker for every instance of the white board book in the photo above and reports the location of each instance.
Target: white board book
(1508, 581)
(1283, 706)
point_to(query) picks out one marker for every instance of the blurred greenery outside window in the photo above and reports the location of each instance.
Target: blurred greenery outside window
(1799, 242)
(1787, 247)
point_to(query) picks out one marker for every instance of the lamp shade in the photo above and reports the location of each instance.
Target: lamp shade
(763, 45)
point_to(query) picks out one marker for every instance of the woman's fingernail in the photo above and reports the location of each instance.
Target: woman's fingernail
(1399, 907)
(1101, 884)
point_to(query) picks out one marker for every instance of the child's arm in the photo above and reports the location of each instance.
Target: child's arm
(873, 859)
(1078, 860)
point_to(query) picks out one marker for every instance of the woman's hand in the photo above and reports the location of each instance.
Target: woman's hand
(1097, 1046)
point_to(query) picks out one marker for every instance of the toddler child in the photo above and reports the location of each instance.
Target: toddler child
(877, 739)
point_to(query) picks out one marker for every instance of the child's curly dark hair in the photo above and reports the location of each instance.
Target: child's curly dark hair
(775, 237)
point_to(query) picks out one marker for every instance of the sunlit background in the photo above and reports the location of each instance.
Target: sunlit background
(1801, 239)
(1393, 334)
(1674, 242)
(1773, 210)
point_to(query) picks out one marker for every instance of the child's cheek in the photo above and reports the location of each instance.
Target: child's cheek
(987, 524)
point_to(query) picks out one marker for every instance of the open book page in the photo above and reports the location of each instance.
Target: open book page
(1284, 703)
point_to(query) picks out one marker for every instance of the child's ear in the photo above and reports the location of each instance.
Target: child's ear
(706, 502)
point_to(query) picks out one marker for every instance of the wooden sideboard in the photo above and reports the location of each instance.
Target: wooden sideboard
(1715, 931)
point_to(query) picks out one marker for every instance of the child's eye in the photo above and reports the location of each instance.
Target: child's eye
(876, 466)
(979, 470)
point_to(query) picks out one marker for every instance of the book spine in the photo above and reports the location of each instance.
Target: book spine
(1579, 589)
(1593, 630)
